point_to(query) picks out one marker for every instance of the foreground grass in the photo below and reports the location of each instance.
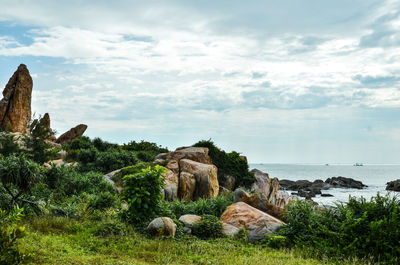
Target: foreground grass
(64, 241)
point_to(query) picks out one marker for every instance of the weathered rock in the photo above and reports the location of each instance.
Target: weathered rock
(257, 223)
(162, 226)
(305, 188)
(15, 107)
(229, 230)
(59, 163)
(262, 182)
(393, 185)
(326, 195)
(342, 182)
(259, 201)
(188, 221)
(205, 175)
(228, 182)
(170, 185)
(198, 154)
(45, 121)
(62, 154)
(187, 186)
(173, 165)
(73, 133)
(223, 191)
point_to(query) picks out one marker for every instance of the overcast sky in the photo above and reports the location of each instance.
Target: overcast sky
(306, 81)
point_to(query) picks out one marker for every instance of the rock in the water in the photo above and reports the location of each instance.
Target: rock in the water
(393, 185)
(342, 182)
(170, 185)
(162, 226)
(188, 221)
(257, 223)
(205, 176)
(326, 195)
(72, 134)
(15, 107)
(229, 230)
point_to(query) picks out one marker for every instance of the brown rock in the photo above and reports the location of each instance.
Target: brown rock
(229, 230)
(189, 220)
(170, 185)
(198, 154)
(187, 186)
(45, 121)
(72, 134)
(262, 183)
(15, 107)
(257, 223)
(205, 175)
(162, 226)
(228, 182)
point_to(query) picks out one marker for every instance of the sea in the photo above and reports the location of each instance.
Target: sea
(374, 176)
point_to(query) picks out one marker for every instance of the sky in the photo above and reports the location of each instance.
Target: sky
(285, 81)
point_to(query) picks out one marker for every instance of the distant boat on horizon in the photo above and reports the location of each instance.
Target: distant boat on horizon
(358, 164)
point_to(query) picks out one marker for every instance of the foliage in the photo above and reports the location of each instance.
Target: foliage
(357, 228)
(143, 194)
(274, 241)
(208, 227)
(102, 200)
(130, 170)
(38, 148)
(228, 164)
(215, 206)
(144, 146)
(18, 176)
(110, 228)
(7, 144)
(10, 234)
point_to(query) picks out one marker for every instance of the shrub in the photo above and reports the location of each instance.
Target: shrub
(274, 241)
(10, 233)
(110, 228)
(7, 144)
(228, 164)
(202, 206)
(357, 228)
(102, 201)
(130, 170)
(38, 148)
(209, 227)
(18, 176)
(143, 194)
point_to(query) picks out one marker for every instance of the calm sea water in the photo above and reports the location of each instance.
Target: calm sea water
(375, 176)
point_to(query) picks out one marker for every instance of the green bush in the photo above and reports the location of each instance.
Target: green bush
(10, 233)
(7, 144)
(228, 164)
(143, 194)
(209, 227)
(358, 228)
(18, 175)
(102, 201)
(110, 228)
(130, 170)
(274, 241)
(202, 206)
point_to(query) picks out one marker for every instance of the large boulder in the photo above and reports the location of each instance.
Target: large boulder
(205, 176)
(393, 185)
(15, 107)
(170, 185)
(259, 201)
(73, 133)
(188, 220)
(262, 182)
(162, 227)
(257, 223)
(198, 154)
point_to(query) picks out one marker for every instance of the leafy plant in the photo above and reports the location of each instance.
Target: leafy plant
(228, 164)
(10, 233)
(7, 144)
(143, 194)
(209, 227)
(18, 176)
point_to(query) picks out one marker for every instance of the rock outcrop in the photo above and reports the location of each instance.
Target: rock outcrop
(198, 154)
(15, 107)
(45, 122)
(162, 226)
(342, 182)
(170, 185)
(205, 176)
(257, 223)
(393, 185)
(188, 220)
(73, 133)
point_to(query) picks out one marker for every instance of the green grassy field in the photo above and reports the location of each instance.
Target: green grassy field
(65, 241)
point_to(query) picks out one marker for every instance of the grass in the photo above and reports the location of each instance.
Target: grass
(57, 240)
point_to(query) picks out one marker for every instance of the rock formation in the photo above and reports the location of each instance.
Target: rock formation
(257, 223)
(15, 107)
(162, 226)
(170, 185)
(393, 185)
(72, 134)
(197, 177)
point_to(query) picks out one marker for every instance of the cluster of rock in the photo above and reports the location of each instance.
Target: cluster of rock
(310, 189)
(190, 174)
(393, 185)
(15, 110)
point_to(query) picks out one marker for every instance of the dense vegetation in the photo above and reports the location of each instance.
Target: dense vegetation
(228, 164)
